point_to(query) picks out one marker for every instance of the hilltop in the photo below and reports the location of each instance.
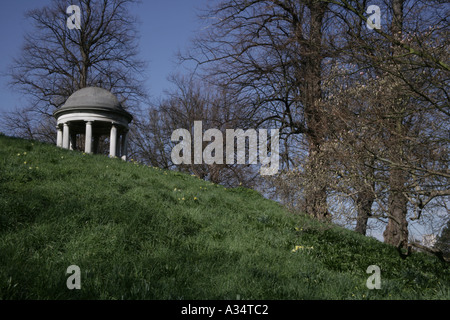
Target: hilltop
(138, 232)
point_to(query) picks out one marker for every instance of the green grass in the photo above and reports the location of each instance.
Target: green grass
(144, 233)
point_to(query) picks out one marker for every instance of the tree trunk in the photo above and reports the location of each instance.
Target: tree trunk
(366, 195)
(364, 206)
(396, 232)
(316, 191)
(316, 187)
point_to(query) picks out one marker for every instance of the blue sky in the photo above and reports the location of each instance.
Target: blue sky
(165, 27)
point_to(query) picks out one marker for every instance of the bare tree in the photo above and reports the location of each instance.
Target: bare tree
(386, 109)
(271, 53)
(56, 61)
(402, 84)
(192, 100)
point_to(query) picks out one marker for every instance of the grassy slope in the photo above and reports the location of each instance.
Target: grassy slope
(143, 233)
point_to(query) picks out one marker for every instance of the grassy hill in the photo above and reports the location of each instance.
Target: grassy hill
(143, 233)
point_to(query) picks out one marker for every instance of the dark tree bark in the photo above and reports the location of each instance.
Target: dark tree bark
(364, 202)
(396, 232)
(312, 55)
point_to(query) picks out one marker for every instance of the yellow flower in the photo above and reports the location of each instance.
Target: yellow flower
(25, 162)
(195, 198)
(301, 248)
(30, 168)
(182, 198)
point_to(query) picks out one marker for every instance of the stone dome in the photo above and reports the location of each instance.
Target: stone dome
(93, 112)
(93, 98)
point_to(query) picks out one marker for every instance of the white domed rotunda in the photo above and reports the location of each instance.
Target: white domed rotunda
(93, 112)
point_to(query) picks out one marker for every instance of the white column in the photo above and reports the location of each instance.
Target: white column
(113, 141)
(124, 145)
(59, 136)
(66, 136)
(88, 142)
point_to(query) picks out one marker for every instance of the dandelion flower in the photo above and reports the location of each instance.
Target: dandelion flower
(301, 248)
(195, 198)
